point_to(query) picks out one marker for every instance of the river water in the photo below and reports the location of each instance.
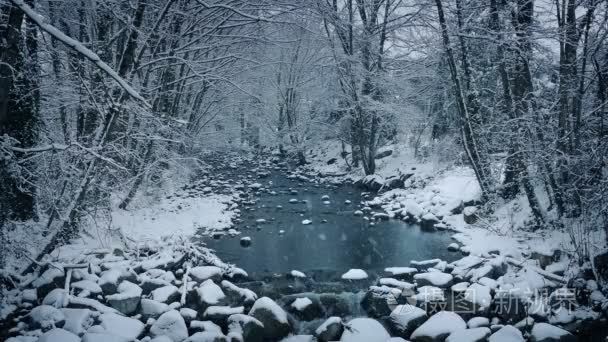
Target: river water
(334, 242)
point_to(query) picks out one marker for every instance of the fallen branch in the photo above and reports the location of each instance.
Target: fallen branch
(185, 286)
(548, 275)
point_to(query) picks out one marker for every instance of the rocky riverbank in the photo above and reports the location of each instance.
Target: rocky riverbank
(172, 289)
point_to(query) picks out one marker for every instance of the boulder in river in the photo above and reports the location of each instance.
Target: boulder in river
(330, 330)
(272, 316)
(364, 329)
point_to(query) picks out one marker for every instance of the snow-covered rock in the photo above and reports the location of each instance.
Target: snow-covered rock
(401, 272)
(205, 326)
(105, 337)
(202, 273)
(209, 293)
(437, 279)
(330, 330)
(354, 274)
(306, 222)
(424, 264)
(166, 294)
(245, 295)
(477, 322)
(86, 285)
(55, 297)
(378, 300)
(439, 326)
(404, 319)
(188, 314)
(77, 321)
(172, 325)
(364, 330)
(508, 333)
(272, 316)
(469, 335)
(207, 336)
(429, 294)
(478, 295)
(152, 308)
(246, 327)
(126, 327)
(46, 316)
(245, 241)
(58, 335)
(297, 274)
(544, 332)
(301, 303)
(218, 313)
(127, 299)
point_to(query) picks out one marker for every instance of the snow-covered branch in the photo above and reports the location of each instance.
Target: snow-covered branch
(79, 48)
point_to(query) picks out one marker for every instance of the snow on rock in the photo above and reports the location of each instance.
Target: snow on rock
(424, 264)
(128, 328)
(305, 222)
(544, 332)
(469, 335)
(479, 295)
(453, 247)
(245, 241)
(92, 304)
(272, 316)
(355, 274)
(108, 281)
(58, 335)
(104, 337)
(188, 314)
(216, 313)
(301, 303)
(460, 287)
(246, 295)
(172, 325)
(364, 330)
(202, 273)
(401, 271)
(209, 293)
(86, 285)
(166, 294)
(429, 294)
(477, 322)
(439, 326)
(245, 327)
(508, 333)
(77, 321)
(330, 330)
(46, 316)
(406, 318)
(205, 326)
(152, 308)
(206, 336)
(403, 285)
(297, 274)
(438, 279)
(127, 299)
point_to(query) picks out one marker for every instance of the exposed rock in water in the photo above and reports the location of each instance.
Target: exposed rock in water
(272, 316)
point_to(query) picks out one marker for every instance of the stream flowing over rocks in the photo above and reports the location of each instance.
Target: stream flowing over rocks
(315, 259)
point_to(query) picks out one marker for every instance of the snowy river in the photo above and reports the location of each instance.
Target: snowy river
(336, 239)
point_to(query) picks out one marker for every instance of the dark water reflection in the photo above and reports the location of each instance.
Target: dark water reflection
(344, 241)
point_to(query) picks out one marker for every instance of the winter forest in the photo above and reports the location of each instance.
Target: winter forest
(303, 170)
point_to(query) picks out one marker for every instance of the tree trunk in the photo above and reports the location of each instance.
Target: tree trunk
(477, 160)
